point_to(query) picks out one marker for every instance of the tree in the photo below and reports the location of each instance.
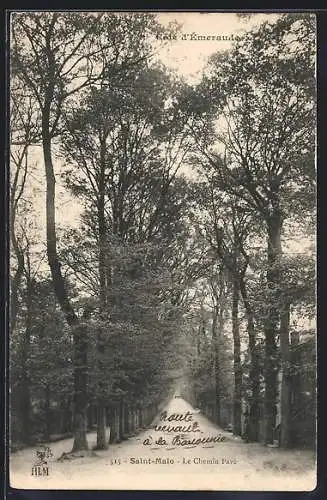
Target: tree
(128, 171)
(56, 56)
(23, 133)
(266, 144)
(209, 371)
(225, 225)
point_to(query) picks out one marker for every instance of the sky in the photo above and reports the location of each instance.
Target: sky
(188, 55)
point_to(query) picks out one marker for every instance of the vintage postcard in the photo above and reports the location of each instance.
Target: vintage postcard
(162, 250)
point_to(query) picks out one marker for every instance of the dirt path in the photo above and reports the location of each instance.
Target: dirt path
(157, 459)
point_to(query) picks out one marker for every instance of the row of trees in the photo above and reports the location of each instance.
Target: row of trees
(159, 259)
(84, 90)
(256, 152)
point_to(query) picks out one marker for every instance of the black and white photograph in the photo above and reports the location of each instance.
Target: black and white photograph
(162, 227)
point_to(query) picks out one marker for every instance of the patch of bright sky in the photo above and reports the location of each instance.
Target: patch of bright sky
(189, 57)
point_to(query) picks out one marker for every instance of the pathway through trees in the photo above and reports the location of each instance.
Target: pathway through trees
(226, 464)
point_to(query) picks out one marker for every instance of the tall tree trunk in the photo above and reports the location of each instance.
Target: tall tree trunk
(15, 196)
(237, 402)
(14, 288)
(80, 386)
(286, 387)
(215, 341)
(47, 412)
(271, 325)
(101, 428)
(55, 266)
(141, 417)
(24, 386)
(122, 419)
(146, 416)
(131, 419)
(136, 418)
(90, 421)
(112, 424)
(198, 340)
(25, 396)
(253, 424)
(126, 420)
(115, 430)
(102, 442)
(296, 396)
(79, 330)
(67, 416)
(118, 424)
